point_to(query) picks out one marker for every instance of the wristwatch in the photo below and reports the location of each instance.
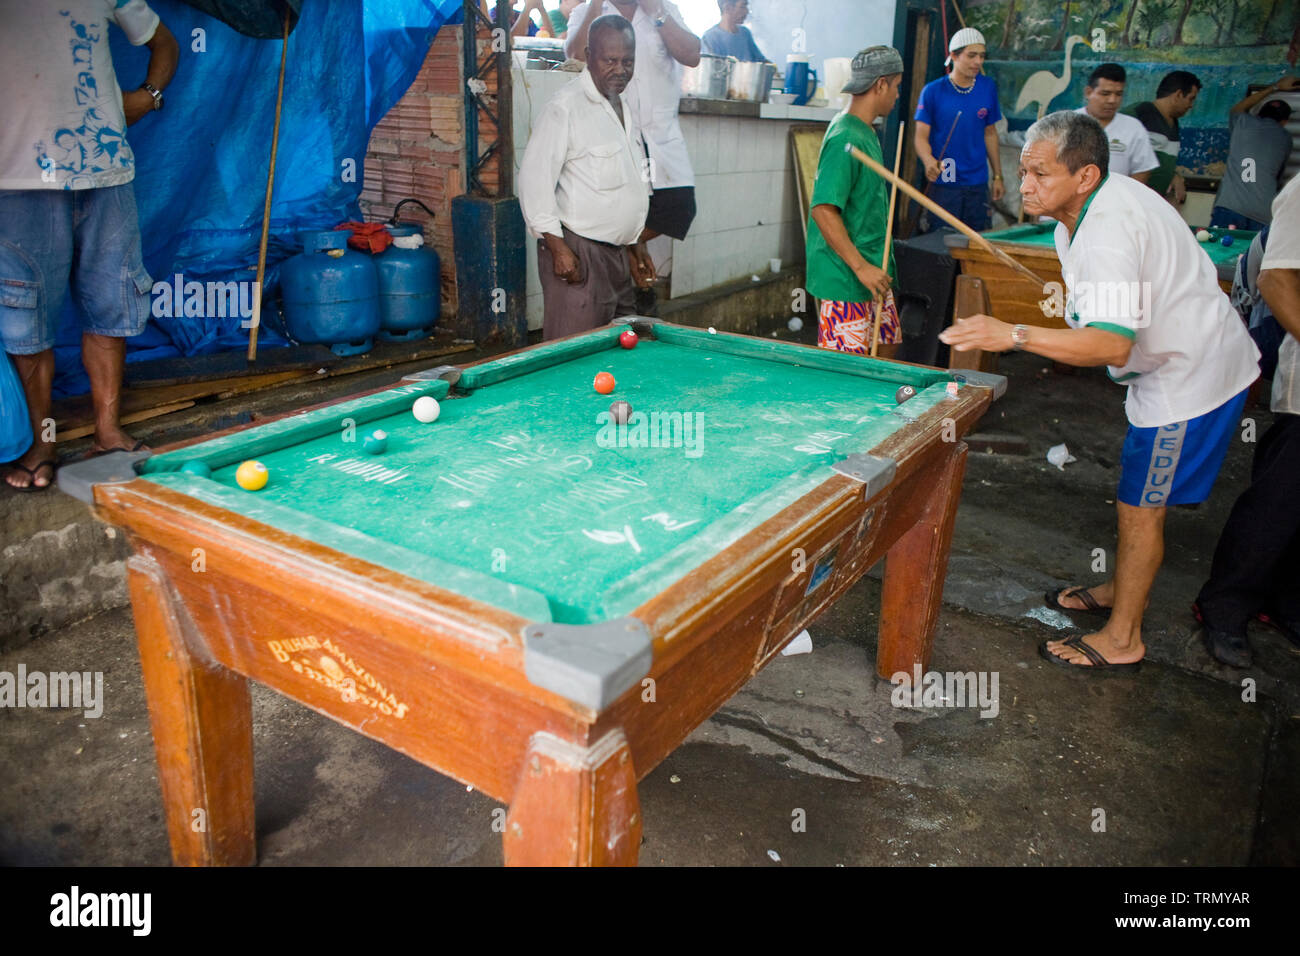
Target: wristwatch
(1019, 336)
(156, 94)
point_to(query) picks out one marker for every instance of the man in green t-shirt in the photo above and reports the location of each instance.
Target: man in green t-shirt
(560, 18)
(849, 213)
(1175, 97)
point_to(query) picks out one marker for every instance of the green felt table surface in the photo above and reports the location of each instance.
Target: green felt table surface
(1040, 234)
(520, 496)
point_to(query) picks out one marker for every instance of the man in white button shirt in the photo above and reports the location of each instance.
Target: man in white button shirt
(1130, 144)
(1256, 569)
(582, 192)
(664, 47)
(1142, 298)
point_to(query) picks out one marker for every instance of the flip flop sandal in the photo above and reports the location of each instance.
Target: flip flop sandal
(1052, 600)
(95, 454)
(49, 463)
(1098, 663)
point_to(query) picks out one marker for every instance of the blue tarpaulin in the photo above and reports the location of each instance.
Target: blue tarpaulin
(201, 162)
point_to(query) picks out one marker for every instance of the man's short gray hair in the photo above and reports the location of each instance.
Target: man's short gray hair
(1078, 138)
(611, 21)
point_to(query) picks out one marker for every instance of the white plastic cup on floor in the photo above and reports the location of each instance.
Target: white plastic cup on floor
(775, 264)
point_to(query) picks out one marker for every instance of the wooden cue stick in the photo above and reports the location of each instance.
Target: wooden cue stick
(256, 318)
(942, 213)
(957, 10)
(951, 129)
(889, 233)
(915, 216)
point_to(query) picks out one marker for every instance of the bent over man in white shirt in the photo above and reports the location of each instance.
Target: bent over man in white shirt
(1142, 298)
(582, 192)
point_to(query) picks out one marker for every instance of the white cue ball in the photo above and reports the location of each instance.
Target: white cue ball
(426, 409)
(1202, 235)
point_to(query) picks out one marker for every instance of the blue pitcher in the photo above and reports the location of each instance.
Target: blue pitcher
(799, 79)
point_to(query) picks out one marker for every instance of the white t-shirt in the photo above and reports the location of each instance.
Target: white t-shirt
(1130, 144)
(1283, 252)
(63, 126)
(653, 94)
(1134, 267)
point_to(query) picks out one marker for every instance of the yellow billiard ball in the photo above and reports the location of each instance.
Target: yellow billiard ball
(252, 476)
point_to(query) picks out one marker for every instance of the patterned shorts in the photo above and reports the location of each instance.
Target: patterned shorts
(846, 326)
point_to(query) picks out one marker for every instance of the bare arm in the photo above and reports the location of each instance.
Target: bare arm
(164, 55)
(1249, 102)
(921, 141)
(995, 160)
(1084, 347)
(682, 45)
(521, 24)
(1142, 177)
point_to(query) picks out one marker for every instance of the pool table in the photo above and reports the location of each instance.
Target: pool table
(521, 594)
(1014, 298)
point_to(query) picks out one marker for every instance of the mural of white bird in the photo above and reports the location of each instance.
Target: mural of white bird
(1042, 87)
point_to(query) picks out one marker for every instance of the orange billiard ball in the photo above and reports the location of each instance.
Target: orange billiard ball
(604, 383)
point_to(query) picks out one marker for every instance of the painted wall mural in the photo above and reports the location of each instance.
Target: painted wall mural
(1041, 52)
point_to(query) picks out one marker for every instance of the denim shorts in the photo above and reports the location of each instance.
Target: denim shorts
(970, 204)
(83, 240)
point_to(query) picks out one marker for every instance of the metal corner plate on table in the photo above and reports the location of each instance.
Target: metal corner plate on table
(449, 372)
(641, 324)
(79, 479)
(984, 379)
(873, 471)
(590, 664)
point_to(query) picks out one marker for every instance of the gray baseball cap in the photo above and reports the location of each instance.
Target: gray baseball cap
(870, 65)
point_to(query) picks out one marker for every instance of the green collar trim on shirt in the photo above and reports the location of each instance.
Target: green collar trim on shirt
(1087, 203)
(1122, 378)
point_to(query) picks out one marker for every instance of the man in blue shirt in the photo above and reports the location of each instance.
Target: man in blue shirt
(729, 38)
(960, 109)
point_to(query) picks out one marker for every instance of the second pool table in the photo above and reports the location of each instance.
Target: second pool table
(1014, 298)
(516, 594)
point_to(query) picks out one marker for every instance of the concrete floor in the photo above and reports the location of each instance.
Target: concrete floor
(1169, 766)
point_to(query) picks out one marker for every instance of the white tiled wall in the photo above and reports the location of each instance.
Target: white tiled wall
(747, 207)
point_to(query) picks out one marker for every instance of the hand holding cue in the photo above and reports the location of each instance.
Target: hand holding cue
(889, 232)
(915, 215)
(943, 214)
(951, 129)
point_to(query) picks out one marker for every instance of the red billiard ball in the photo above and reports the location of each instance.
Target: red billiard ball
(604, 383)
(628, 339)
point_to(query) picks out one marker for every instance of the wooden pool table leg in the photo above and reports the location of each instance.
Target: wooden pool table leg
(202, 720)
(914, 571)
(574, 806)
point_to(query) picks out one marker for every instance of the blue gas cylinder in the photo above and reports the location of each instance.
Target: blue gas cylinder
(410, 286)
(331, 294)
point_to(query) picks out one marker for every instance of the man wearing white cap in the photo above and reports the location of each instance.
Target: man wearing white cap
(955, 138)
